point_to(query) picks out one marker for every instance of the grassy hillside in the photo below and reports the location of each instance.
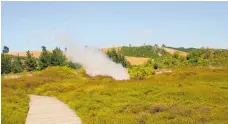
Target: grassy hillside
(143, 51)
(188, 95)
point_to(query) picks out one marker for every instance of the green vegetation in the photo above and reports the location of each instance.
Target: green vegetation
(17, 64)
(208, 56)
(117, 57)
(15, 105)
(188, 95)
(202, 56)
(196, 91)
(44, 59)
(142, 71)
(15, 100)
(5, 49)
(30, 62)
(58, 58)
(5, 64)
(143, 51)
(73, 65)
(161, 59)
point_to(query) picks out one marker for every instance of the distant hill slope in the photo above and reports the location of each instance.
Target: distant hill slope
(34, 53)
(183, 49)
(172, 51)
(136, 60)
(147, 51)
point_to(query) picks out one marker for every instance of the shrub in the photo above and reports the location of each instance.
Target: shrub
(30, 62)
(17, 66)
(58, 58)
(73, 65)
(176, 55)
(5, 63)
(118, 58)
(44, 59)
(15, 105)
(140, 72)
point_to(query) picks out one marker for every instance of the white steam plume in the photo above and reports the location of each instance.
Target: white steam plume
(95, 61)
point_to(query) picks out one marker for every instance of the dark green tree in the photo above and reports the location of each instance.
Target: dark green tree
(5, 63)
(58, 58)
(45, 58)
(73, 65)
(17, 65)
(30, 62)
(117, 57)
(5, 49)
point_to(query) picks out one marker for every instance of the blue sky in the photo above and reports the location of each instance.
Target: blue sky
(29, 25)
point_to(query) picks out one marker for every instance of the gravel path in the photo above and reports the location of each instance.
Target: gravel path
(49, 110)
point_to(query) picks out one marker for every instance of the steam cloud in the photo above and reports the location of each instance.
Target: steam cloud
(95, 61)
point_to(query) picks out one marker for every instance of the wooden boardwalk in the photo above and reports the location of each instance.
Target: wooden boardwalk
(49, 110)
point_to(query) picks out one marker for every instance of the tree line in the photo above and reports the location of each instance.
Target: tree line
(17, 64)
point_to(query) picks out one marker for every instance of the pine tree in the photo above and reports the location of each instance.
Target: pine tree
(17, 66)
(30, 62)
(118, 58)
(44, 59)
(5, 63)
(5, 49)
(58, 58)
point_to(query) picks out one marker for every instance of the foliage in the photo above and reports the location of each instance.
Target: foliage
(140, 72)
(188, 95)
(15, 105)
(117, 57)
(73, 65)
(207, 56)
(30, 62)
(171, 61)
(17, 65)
(5, 49)
(144, 51)
(58, 58)
(5, 63)
(45, 58)
(182, 49)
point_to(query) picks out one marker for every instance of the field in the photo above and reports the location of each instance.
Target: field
(187, 95)
(172, 51)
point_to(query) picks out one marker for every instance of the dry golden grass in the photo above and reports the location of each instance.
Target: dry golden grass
(106, 49)
(34, 53)
(136, 60)
(172, 51)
